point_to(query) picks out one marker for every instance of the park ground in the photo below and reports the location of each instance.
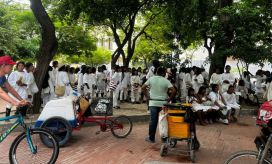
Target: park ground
(218, 141)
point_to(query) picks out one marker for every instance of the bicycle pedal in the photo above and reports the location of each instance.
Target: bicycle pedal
(98, 132)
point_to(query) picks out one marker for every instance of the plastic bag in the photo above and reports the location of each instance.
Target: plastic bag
(163, 124)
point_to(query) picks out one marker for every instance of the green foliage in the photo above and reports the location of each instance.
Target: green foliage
(98, 57)
(74, 40)
(19, 31)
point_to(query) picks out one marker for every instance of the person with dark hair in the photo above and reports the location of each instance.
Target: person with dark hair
(219, 104)
(197, 79)
(135, 87)
(187, 81)
(227, 79)
(230, 99)
(181, 82)
(62, 79)
(72, 78)
(153, 69)
(6, 64)
(159, 87)
(101, 82)
(80, 84)
(124, 84)
(89, 81)
(116, 79)
(216, 77)
(55, 65)
(18, 80)
(31, 84)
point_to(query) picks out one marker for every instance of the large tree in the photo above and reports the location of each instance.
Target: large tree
(118, 16)
(48, 47)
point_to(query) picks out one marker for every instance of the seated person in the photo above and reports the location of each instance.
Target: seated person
(242, 91)
(219, 104)
(230, 99)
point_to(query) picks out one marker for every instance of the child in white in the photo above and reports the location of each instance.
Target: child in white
(230, 99)
(135, 87)
(124, 84)
(216, 77)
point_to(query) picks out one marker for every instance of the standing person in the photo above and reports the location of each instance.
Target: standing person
(31, 84)
(6, 64)
(124, 84)
(135, 87)
(55, 65)
(159, 87)
(197, 79)
(62, 79)
(18, 80)
(101, 82)
(205, 75)
(187, 80)
(72, 77)
(89, 81)
(153, 69)
(227, 79)
(80, 84)
(216, 77)
(181, 82)
(116, 80)
(269, 88)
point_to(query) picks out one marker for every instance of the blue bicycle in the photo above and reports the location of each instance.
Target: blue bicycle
(35, 145)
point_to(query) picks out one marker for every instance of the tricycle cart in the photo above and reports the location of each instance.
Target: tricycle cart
(179, 130)
(62, 116)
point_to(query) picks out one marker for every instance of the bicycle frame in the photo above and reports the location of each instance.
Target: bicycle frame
(19, 121)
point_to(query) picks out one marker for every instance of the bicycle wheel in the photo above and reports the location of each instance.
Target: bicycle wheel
(248, 157)
(121, 126)
(20, 151)
(60, 128)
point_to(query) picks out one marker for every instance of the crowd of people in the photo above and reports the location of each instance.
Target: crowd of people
(213, 99)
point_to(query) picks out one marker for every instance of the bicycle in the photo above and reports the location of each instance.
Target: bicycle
(29, 146)
(262, 156)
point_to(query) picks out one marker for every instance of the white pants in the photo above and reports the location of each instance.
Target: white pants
(135, 95)
(123, 94)
(115, 97)
(236, 107)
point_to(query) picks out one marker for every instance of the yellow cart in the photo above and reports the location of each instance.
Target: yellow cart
(179, 130)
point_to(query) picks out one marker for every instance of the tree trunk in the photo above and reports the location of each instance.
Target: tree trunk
(218, 59)
(47, 49)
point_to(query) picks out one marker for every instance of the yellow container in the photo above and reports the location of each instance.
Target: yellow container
(178, 130)
(178, 119)
(176, 111)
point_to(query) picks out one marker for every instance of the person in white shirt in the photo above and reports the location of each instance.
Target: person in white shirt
(80, 84)
(197, 80)
(124, 84)
(205, 75)
(181, 84)
(31, 84)
(54, 71)
(101, 82)
(47, 93)
(135, 87)
(72, 76)
(62, 79)
(89, 81)
(219, 104)
(230, 99)
(18, 80)
(153, 69)
(227, 79)
(116, 78)
(187, 81)
(269, 89)
(216, 77)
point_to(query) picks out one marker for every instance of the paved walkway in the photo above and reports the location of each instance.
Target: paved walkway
(218, 141)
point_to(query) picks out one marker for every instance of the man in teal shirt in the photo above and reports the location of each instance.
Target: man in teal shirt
(158, 96)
